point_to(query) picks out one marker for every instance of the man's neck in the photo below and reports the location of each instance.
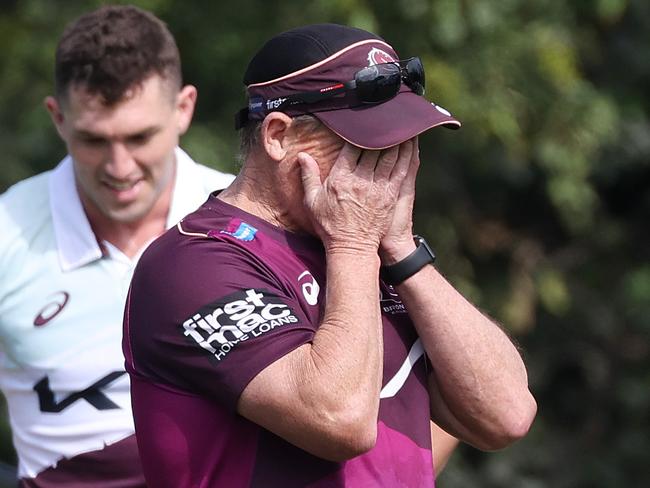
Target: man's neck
(254, 192)
(131, 237)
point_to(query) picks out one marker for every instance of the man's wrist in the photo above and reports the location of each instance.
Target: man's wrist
(396, 273)
(354, 249)
(396, 251)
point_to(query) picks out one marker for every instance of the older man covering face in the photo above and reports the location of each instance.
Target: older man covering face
(292, 331)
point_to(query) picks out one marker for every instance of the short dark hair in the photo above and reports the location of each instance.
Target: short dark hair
(113, 48)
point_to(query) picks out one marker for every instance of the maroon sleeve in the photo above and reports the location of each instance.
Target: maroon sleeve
(206, 316)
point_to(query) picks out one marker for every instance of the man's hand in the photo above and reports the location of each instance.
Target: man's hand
(324, 395)
(397, 243)
(354, 207)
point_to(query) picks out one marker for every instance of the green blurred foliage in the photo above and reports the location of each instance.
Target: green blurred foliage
(539, 207)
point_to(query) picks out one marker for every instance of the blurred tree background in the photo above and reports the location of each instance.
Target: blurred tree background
(539, 207)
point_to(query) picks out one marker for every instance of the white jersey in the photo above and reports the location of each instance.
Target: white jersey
(61, 306)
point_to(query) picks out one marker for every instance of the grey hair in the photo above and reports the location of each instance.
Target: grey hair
(249, 136)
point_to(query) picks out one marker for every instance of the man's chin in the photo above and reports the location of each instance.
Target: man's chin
(132, 214)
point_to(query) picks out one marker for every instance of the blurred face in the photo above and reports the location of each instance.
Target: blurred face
(124, 154)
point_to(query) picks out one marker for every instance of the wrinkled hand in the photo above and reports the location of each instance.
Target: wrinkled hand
(397, 243)
(353, 208)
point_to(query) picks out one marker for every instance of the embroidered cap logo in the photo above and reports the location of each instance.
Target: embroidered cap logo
(377, 56)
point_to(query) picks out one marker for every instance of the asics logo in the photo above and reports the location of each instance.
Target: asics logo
(52, 309)
(310, 288)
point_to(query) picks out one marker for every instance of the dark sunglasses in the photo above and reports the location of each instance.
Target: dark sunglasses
(373, 84)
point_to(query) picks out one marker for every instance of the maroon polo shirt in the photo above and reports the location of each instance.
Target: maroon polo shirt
(213, 302)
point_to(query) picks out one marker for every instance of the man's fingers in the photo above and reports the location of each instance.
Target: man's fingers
(386, 163)
(414, 165)
(310, 173)
(367, 163)
(402, 167)
(347, 159)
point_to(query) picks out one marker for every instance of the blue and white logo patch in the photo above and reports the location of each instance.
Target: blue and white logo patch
(256, 104)
(243, 232)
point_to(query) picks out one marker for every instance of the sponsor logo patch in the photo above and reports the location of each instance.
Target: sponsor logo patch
(240, 230)
(275, 103)
(390, 302)
(93, 394)
(220, 326)
(52, 309)
(256, 104)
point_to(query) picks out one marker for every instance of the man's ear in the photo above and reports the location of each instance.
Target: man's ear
(56, 113)
(185, 103)
(273, 133)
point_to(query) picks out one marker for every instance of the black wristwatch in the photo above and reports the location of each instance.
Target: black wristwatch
(394, 274)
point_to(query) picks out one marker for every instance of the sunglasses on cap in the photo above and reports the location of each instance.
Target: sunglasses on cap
(371, 85)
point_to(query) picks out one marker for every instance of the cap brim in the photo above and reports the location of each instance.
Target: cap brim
(387, 124)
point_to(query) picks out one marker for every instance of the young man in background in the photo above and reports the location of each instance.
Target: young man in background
(70, 240)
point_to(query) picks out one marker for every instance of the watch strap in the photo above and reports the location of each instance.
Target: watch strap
(394, 274)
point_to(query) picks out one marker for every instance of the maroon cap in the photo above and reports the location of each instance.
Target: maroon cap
(326, 55)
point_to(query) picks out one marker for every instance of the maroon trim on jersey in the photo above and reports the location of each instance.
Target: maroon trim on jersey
(115, 466)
